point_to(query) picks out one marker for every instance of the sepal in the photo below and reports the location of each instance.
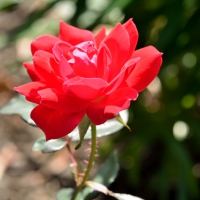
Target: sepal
(82, 129)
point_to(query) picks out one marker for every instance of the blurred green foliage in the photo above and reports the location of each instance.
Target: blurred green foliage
(161, 157)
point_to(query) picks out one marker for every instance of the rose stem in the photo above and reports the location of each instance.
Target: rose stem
(90, 164)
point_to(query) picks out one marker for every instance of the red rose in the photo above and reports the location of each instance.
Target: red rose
(78, 73)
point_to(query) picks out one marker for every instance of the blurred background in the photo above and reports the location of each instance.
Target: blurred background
(160, 158)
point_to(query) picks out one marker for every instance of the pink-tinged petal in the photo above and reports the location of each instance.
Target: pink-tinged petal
(55, 123)
(66, 70)
(85, 88)
(146, 69)
(104, 59)
(117, 81)
(61, 49)
(118, 43)
(60, 101)
(30, 91)
(100, 36)
(88, 47)
(47, 68)
(45, 43)
(74, 35)
(133, 34)
(32, 72)
(108, 106)
(84, 66)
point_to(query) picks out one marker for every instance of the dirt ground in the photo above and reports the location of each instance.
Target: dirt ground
(24, 174)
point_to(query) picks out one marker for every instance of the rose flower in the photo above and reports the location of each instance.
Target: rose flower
(78, 73)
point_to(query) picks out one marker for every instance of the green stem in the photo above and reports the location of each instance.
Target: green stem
(90, 164)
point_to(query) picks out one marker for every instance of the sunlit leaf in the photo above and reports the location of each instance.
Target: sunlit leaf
(39, 143)
(48, 146)
(101, 188)
(98, 187)
(124, 196)
(109, 127)
(19, 105)
(53, 145)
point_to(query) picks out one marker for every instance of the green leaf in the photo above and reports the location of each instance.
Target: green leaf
(82, 128)
(109, 127)
(19, 105)
(66, 194)
(53, 145)
(106, 175)
(7, 3)
(124, 196)
(108, 171)
(48, 146)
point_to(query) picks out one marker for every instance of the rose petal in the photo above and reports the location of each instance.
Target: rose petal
(104, 59)
(118, 43)
(100, 36)
(85, 88)
(108, 106)
(133, 34)
(60, 101)
(32, 72)
(146, 69)
(47, 68)
(83, 66)
(66, 70)
(55, 123)
(117, 81)
(74, 35)
(61, 49)
(44, 43)
(30, 91)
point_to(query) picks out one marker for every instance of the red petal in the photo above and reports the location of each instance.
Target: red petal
(47, 68)
(104, 59)
(85, 88)
(66, 70)
(133, 34)
(146, 69)
(59, 101)
(100, 36)
(61, 48)
(55, 123)
(32, 72)
(118, 43)
(30, 91)
(74, 35)
(83, 66)
(115, 83)
(108, 106)
(44, 43)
